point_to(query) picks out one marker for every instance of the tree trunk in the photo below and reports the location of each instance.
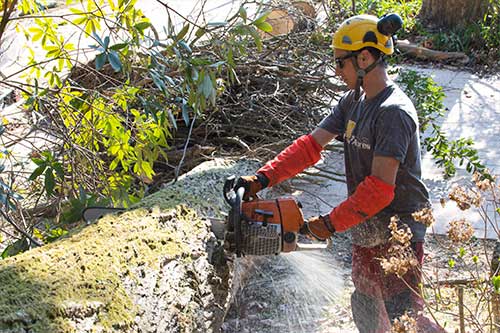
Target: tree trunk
(452, 13)
(154, 268)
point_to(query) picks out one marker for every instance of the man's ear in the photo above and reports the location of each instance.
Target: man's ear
(366, 58)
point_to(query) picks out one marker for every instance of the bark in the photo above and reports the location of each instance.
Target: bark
(428, 54)
(452, 13)
(155, 268)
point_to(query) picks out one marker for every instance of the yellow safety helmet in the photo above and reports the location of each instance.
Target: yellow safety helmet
(361, 31)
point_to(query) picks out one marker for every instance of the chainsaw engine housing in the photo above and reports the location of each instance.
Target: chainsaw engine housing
(262, 227)
(270, 226)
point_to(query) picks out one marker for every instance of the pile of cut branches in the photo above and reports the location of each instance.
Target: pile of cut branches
(280, 94)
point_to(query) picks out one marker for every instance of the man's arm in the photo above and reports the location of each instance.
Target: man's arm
(371, 196)
(322, 136)
(385, 168)
(301, 154)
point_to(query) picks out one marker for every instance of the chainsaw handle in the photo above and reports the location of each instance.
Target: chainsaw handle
(229, 193)
(228, 187)
(315, 246)
(235, 200)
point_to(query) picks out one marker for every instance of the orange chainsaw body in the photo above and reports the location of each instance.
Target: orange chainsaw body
(262, 227)
(284, 212)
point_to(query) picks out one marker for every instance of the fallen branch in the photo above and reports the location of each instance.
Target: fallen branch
(428, 54)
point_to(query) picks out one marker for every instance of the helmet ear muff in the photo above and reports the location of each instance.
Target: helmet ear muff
(389, 24)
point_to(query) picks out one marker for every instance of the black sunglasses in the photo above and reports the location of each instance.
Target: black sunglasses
(341, 61)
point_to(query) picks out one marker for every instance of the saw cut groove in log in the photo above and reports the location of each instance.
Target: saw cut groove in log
(298, 17)
(306, 8)
(156, 267)
(281, 22)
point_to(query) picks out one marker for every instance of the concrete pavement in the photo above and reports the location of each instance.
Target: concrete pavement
(473, 105)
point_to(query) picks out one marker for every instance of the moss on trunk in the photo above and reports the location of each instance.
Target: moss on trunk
(146, 269)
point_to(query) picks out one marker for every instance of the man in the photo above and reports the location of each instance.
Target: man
(379, 127)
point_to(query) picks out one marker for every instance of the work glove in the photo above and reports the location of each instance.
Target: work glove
(252, 185)
(318, 227)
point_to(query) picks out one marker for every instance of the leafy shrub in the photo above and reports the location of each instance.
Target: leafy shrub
(428, 97)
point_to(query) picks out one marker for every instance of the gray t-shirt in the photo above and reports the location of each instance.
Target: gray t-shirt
(385, 125)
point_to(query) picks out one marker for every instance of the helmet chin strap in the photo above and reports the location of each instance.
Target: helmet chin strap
(361, 73)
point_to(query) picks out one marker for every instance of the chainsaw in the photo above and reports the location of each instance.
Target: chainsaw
(263, 226)
(256, 227)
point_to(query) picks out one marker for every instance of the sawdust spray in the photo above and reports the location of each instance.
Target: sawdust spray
(293, 292)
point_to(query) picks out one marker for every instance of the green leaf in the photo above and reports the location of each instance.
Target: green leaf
(172, 118)
(147, 169)
(38, 161)
(451, 263)
(106, 42)
(58, 169)
(495, 280)
(99, 40)
(261, 18)
(158, 81)
(200, 32)
(80, 20)
(185, 46)
(217, 64)
(183, 32)
(57, 233)
(185, 113)
(169, 79)
(17, 247)
(243, 13)
(38, 171)
(462, 252)
(264, 26)
(217, 24)
(118, 46)
(100, 60)
(206, 86)
(141, 26)
(258, 42)
(38, 234)
(49, 181)
(114, 60)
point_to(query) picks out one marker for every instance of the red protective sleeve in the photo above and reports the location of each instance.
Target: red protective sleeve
(302, 153)
(370, 197)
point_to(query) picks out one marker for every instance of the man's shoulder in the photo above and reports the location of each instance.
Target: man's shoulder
(398, 102)
(397, 97)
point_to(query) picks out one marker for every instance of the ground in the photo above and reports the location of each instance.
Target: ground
(310, 292)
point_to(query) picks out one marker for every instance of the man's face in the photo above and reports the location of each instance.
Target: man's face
(344, 67)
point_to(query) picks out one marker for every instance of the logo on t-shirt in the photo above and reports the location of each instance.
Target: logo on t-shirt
(350, 127)
(361, 143)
